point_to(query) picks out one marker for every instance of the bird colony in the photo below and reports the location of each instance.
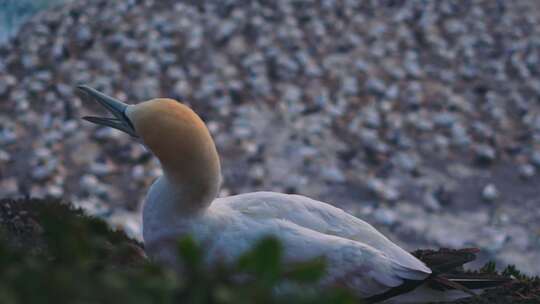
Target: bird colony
(420, 117)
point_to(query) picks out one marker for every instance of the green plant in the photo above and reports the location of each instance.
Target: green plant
(81, 260)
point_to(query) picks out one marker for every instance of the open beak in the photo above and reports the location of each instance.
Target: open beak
(117, 108)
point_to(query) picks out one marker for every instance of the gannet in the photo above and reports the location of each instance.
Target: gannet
(183, 201)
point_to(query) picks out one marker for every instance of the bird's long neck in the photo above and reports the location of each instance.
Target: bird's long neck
(185, 149)
(192, 178)
(191, 194)
(191, 169)
(173, 199)
(168, 206)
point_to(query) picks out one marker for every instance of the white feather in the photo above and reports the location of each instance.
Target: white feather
(358, 256)
(182, 202)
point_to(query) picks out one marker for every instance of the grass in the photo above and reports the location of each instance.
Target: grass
(51, 252)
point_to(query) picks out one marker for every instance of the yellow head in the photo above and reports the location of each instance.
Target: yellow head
(175, 134)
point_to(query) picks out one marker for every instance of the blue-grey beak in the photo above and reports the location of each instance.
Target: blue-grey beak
(117, 108)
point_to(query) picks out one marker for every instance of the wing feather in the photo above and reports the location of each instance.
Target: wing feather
(323, 218)
(349, 263)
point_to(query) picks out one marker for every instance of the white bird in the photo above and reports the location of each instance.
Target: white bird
(183, 201)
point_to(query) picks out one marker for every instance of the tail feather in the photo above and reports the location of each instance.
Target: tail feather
(445, 260)
(475, 281)
(447, 274)
(447, 284)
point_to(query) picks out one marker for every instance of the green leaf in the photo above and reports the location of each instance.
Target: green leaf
(264, 260)
(307, 272)
(189, 251)
(511, 270)
(489, 267)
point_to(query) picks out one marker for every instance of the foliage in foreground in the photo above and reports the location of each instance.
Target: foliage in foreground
(52, 253)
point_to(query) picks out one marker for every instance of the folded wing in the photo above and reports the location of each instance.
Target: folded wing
(323, 218)
(352, 264)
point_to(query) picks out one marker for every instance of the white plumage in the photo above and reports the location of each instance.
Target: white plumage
(358, 256)
(183, 202)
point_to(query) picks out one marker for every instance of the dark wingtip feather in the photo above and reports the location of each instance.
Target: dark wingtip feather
(479, 281)
(445, 259)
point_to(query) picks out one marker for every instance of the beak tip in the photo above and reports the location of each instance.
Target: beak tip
(120, 121)
(83, 89)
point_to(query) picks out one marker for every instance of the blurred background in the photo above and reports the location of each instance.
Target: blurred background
(421, 117)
